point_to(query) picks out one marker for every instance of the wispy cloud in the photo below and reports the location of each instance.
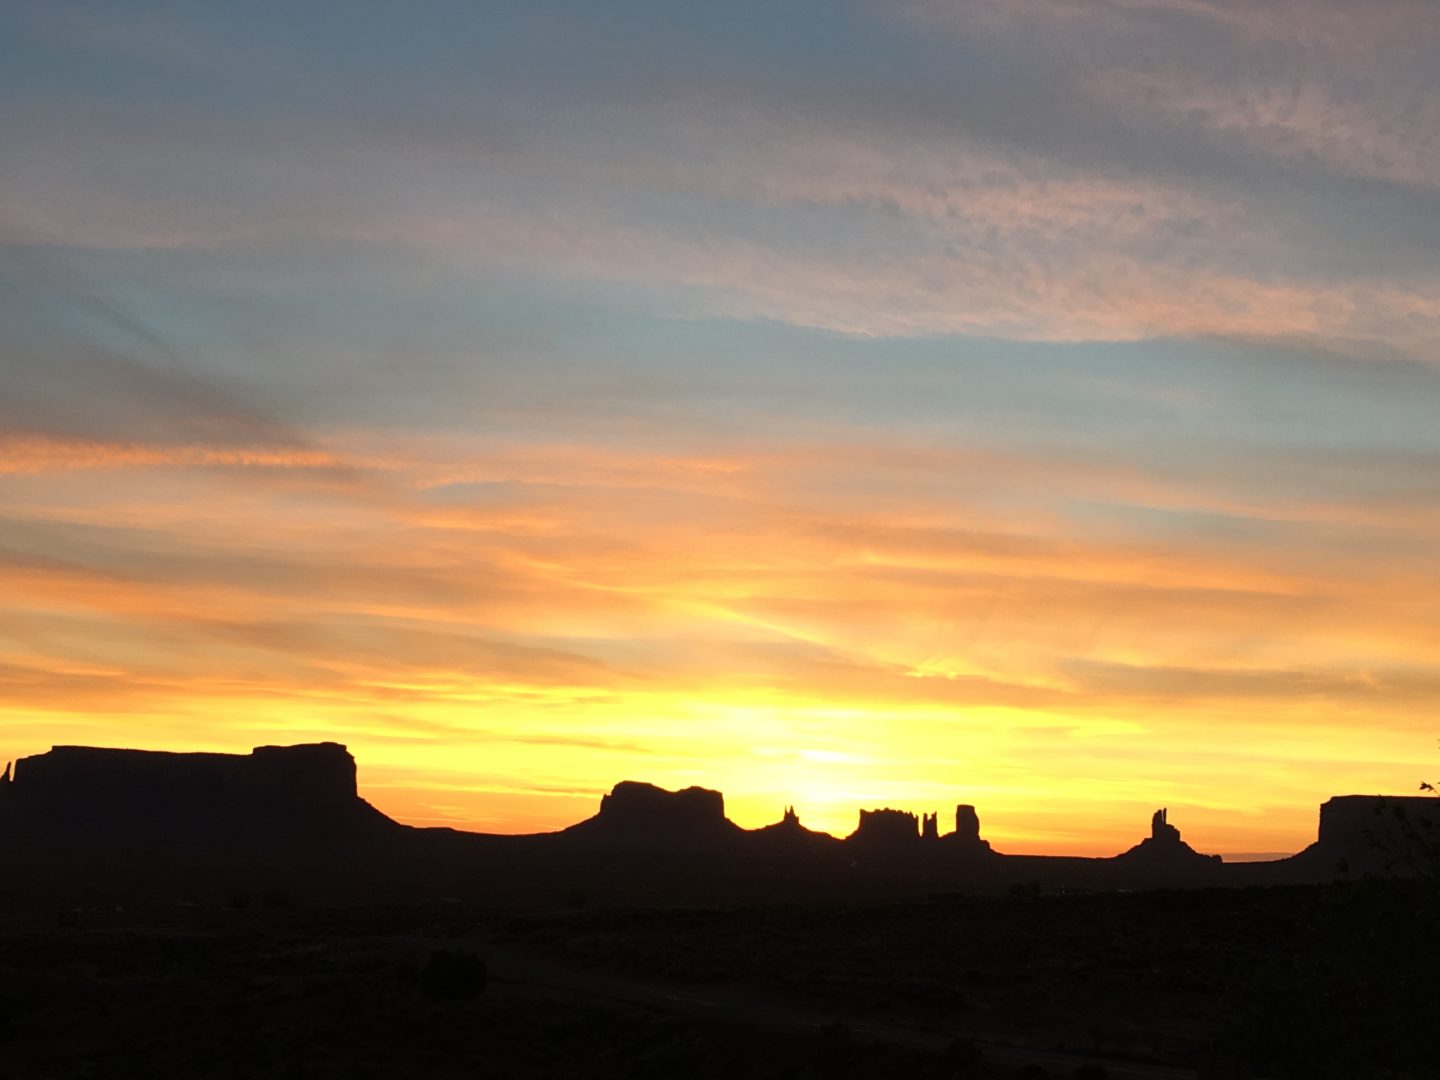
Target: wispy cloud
(843, 402)
(1112, 180)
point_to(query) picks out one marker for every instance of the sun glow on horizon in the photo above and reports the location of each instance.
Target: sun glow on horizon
(501, 678)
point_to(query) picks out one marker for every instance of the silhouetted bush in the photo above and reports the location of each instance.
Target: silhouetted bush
(453, 975)
(963, 1060)
(576, 898)
(1357, 998)
(835, 1054)
(1092, 1072)
(1408, 843)
(11, 1006)
(276, 898)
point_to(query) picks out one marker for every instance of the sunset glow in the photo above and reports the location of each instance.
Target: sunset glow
(843, 405)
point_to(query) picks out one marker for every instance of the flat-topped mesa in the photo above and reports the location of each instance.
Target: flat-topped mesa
(1377, 833)
(84, 794)
(1345, 819)
(886, 828)
(643, 815)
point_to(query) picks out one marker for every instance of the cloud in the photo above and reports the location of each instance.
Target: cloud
(1008, 396)
(88, 384)
(35, 454)
(905, 600)
(1046, 171)
(1396, 690)
(1295, 82)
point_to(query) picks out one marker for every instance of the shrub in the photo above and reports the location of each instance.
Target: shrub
(453, 975)
(1357, 998)
(963, 1059)
(276, 898)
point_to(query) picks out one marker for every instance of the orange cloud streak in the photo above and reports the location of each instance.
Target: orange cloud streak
(750, 636)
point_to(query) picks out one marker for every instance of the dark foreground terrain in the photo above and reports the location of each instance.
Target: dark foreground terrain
(227, 915)
(1306, 981)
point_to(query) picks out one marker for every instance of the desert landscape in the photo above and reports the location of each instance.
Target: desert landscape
(156, 917)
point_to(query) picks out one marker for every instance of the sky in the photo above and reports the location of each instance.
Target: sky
(1025, 403)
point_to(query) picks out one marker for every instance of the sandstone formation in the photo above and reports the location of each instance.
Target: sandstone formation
(966, 837)
(293, 814)
(1361, 834)
(901, 832)
(1164, 847)
(639, 815)
(887, 828)
(788, 837)
(930, 827)
(77, 794)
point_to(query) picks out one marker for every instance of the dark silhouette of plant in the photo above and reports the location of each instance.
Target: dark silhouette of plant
(1409, 842)
(276, 898)
(576, 898)
(963, 1060)
(835, 1052)
(1357, 999)
(453, 975)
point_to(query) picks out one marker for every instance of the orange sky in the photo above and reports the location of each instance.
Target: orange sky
(843, 405)
(715, 621)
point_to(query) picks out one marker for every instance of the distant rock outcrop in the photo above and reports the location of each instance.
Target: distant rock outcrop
(966, 837)
(900, 832)
(79, 794)
(896, 830)
(1164, 846)
(97, 816)
(1161, 831)
(967, 825)
(1376, 834)
(643, 815)
(788, 825)
(789, 836)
